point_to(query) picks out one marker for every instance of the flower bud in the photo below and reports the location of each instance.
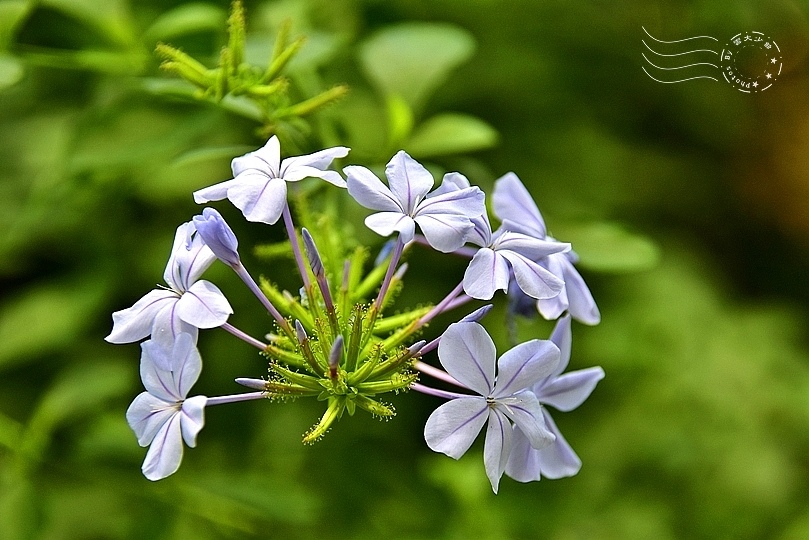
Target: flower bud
(335, 355)
(218, 236)
(315, 262)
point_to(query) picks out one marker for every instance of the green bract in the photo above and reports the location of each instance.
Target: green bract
(371, 357)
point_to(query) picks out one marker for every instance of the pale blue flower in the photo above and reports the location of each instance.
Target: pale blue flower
(468, 354)
(561, 391)
(184, 306)
(503, 255)
(259, 184)
(514, 206)
(162, 417)
(444, 219)
(218, 236)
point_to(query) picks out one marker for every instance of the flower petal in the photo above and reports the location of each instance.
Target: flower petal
(156, 363)
(166, 452)
(528, 246)
(552, 308)
(453, 427)
(511, 201)
(525, 365)
(568, 391)
(533, 279)
(299, 173)
(147, 414)
(189, 258)
(167, 327)
(562, 336)
(409, 181)
(444, 232)
(318, 160)
(557, 460)
(135, 323)
(266, 159)
(386, 223)
(467, 202)
(186, 364)
(582, 305)
(204, 306)
(216, 192)
(452, 181)
(261, 199)
(487, 272)
(525, 411)
(369, 191)
(192, 419)
(467, 353)
(497, 447)
(523, 462)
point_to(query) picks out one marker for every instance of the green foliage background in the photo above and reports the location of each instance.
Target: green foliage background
(688, 204)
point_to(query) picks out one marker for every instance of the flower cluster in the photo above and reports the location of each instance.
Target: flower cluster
(335, 342)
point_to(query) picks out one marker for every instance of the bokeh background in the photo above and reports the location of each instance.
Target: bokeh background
(689, 205)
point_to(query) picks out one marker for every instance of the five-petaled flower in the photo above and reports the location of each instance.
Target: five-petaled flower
(468, 354)
(564, 392)
(163, 417)
(514, 206)
(186, 305)
(444, 218)
(259, 184)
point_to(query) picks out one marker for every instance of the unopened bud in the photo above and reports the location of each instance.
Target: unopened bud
(218, 236)
(256, 384)
(335, 355)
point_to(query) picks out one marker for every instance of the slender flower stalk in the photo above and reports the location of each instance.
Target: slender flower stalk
(245, 276)
(219, 239)
(443, 305)
(436, 392)
(296, 247)
(235, 398)
(316, 264)
(394, 261)
(439, 374)
(244, 337)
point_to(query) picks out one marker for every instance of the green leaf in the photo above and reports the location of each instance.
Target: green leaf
(11, 70)
(451, 134)
(217, 154)
(186, 19)
(609, 247)
(45, 318)
(413, 59)
(111, 17)
(12, 15)
(79, 392)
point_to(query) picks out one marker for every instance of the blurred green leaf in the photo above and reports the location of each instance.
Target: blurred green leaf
(609, 247)
(412, 59)
(18, 500)
(10, 431)
(78, 392)
(45, 318)
(11, 70)
(12, 14)
(400, 120)
(186, 19)
(218, 153)
(104, 61)
(451, 133)
(111, 17)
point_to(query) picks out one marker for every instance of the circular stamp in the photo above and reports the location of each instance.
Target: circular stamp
(751, 62)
